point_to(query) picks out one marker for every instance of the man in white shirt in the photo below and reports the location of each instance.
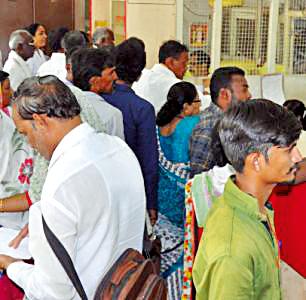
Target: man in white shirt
(93, 72)
(22, 48)
(93, 198)
(154, 84)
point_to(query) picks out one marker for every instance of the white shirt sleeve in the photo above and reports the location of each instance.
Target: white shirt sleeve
(47, 278)
(116, 125)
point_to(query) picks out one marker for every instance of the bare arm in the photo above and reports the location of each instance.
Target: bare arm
(14, 203)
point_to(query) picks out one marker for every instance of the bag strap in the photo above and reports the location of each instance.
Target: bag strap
(64, 258)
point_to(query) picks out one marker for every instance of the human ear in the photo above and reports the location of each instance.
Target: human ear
(94, 84)
(254, 161)
(169, 62)
(40, 121)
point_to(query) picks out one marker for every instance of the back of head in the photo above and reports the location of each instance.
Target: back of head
(73, 39)
(87, 40)
(17, 37)
(255, 126)
(171, 48)
(55, 38)
(45, 95)
(130, 59)
(3, 76)
(296, 106)
(179, 94)
(102, 34)
(87, 63)
(221, 78)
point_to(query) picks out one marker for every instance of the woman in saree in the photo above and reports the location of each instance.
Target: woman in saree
(175, 120)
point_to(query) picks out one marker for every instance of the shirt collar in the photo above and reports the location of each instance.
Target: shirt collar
(122, 87)
(72, 138)
(162, 69)
(14, 55)
(215, 109)
(58, 57)
(242, 201)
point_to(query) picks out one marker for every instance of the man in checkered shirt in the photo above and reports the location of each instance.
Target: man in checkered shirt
(228, 86)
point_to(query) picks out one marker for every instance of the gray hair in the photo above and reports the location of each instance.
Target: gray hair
(100, 34)
(45, 95)
(73, 39)
(17, 37)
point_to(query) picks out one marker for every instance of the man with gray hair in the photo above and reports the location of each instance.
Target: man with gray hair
(56, 65)
(22, 48)
(103, 37)
(82, 201)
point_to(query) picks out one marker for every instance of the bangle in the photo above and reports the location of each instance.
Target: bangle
(2, 205)
(28, 198)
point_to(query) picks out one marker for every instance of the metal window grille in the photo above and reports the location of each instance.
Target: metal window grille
(244, 37)
(197, 35)
(291, 37)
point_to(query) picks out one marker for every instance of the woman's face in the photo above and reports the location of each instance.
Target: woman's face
(193, 108)
(40, 37)
(6, 93)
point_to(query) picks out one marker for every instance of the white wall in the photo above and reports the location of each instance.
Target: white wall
(153, 23)
(294, 86)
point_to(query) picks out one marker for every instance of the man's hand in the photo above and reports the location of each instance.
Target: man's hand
(6, 260)
(21, 235)
(153, 216)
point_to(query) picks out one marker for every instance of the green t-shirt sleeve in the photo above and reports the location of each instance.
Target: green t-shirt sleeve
(225, 278)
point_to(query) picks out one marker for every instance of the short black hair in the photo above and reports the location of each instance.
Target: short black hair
(55, 38)
(171, 48)
(255, 126)
(296, 106)
(179, 94)
(72, 39)
(87, 63)
(3, 76)
(45, 95)
(221, 79)
(85, 37)
(130, 59)
(33, 28)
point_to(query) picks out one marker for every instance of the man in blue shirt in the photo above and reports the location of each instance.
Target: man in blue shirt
(138, 115)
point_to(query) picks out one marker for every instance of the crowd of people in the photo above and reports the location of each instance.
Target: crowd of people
(96, 146)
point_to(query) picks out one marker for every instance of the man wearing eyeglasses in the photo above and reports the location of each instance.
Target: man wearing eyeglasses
(22, 48)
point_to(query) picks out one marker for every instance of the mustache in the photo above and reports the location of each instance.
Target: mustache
(295, 167)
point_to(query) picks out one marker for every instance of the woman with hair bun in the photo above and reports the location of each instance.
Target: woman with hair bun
(175, 120)
(39, 33)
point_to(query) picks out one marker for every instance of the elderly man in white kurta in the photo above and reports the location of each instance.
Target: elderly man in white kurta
(93, 198)
(22, 48)
(154, 84)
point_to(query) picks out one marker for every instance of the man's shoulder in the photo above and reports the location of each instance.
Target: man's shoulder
(44, 68)
(218, 230)
(208, 120)
(226, 234)
(9, 65)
